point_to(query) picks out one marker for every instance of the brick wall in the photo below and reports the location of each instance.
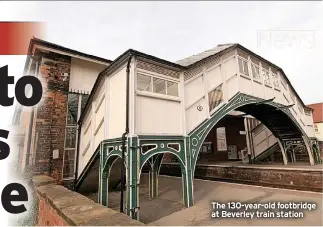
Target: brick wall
(299, 179)
(50, 119)
(233, 126)
(58, 206)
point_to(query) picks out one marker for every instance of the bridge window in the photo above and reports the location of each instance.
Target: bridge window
(143, 82)
(243, 66)
(157, 85)
(275, 80)
(266, 76)
(172, 88)
(255, 72)
(215, 97)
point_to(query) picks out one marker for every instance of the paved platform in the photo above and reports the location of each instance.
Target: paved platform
(168, 210)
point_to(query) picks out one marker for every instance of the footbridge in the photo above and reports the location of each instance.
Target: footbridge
(144, 107)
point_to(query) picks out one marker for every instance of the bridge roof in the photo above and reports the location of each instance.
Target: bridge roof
(200, 56)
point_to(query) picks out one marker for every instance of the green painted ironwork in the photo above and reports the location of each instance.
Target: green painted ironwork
(150, 149)
(198, 135)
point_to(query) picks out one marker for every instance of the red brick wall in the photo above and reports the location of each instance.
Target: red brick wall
(233, 126)
(317, 112)
(50, 121)
(47, 216)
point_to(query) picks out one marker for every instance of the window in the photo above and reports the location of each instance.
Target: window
(84, 101)
(266, 76)
(157, 85)
(255, 72)
(73, 100)
(172, 88)
(75, 106)
(70, 137)
(215, 97)
(275, 80)
(316, 129)
(243, 66)
(143, 82)
(307, 112)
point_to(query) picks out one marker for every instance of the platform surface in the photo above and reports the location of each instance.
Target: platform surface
(168, 209)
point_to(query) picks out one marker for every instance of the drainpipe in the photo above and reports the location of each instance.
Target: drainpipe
(124, 138)
(77, 155)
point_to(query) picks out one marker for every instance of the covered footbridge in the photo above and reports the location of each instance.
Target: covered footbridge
(142, 107)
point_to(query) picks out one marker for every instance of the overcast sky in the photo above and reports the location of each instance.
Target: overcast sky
(174, 30)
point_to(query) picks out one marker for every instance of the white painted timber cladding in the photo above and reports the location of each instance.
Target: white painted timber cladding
(157, 116)
(117, 104)
(226, 72)
(84, 74)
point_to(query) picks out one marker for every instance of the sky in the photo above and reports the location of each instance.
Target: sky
(174, 30)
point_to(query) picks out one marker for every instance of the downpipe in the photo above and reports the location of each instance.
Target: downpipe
(124, 137)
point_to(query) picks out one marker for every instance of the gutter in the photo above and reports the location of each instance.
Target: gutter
(124, 138)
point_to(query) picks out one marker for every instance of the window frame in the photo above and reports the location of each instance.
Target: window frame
(266, 72)
(151, 92)
(72, 162)
(253, 68)
(222, 99)
(243, 60)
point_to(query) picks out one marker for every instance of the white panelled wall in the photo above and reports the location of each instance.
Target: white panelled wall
(234, 72)
(167, 101)
(105, 117)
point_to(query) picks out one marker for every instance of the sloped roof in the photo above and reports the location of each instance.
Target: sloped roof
(198, 57)
(317, 112)
(55, 46)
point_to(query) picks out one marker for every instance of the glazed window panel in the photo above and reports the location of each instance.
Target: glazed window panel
(266, 76)
(143, 82)
(275, 81)
(172, 88)
(69, 155)
(68, 169)
(84, 101)
(73, 100)
(255, 71)
(159, 86)
(70, 137)
(243, 66)
(215, 97)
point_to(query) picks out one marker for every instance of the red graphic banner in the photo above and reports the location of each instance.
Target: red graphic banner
(15, 36)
